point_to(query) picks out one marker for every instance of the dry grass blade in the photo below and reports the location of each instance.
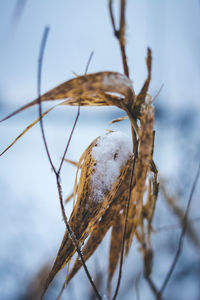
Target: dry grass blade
(94, 240)
(87, 211)
(141, 97)
(72, 162)
(97, 89)
(118, 120)
(144, 155)
(27, 129)
(103, 225)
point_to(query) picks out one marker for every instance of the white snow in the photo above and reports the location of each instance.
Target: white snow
(117, 79)
(110, 154)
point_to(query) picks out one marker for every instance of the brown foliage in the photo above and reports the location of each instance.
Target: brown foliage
(124, 206)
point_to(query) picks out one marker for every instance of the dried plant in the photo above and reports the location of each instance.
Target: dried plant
(122, 206)
(127, 204)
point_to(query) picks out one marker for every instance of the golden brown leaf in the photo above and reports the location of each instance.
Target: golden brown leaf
(103, 225)
(144, 154)
(27, 128)
(87, 211)
(140, 98)
(118, 120)
(96, 89)
(94, 240)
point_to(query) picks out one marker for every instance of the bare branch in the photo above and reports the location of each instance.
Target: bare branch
(57, 174)
(89, 61)
(40, 60)
(17, 14)
(181, 239)
(112, 18)
(76, 120)
(69, 140)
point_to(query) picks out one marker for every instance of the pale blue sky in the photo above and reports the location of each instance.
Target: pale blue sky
(170, 27)
(30, 211)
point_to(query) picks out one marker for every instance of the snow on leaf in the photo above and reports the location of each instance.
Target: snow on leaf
(87, 212)
(110, 153)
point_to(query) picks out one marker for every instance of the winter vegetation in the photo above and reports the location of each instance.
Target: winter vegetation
(118, 197)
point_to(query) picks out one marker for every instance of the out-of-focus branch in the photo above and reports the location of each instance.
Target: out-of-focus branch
(181, 239)
(179, 212)
(17, 14)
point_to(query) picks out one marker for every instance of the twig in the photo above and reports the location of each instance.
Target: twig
(158, 93)
(181, 239)
(125, 224)
(39, 75)
(69, 140)
(76, 120)
(89, 61)
(57, 173)
(152, 286)
(179, 212)
(175, 226)
(120, 33)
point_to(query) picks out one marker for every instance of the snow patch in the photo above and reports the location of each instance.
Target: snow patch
(110, 154)
(117, 79)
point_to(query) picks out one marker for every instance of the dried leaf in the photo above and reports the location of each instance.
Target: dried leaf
(87, 211)
(27, 128)
(103, 226)
(118, 120)
(144, 154)
(94, 240)
(97, 89)
(140, 98)
(72, 162)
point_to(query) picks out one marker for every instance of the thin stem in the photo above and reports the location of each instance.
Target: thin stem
(122, 38)
(120, 34)
(57, 174)
(73, 238)
(40, 61)
(76, 120)
(89, 61)
(125, 223)
(152, 286)
(69, 140)
(181, 239)
(112, 17)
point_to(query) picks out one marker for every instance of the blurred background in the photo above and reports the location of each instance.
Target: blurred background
(30, 216)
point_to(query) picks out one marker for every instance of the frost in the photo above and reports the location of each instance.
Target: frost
(117, 79)
(110, 154)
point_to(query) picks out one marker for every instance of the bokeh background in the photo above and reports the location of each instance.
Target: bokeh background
(30, 217)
